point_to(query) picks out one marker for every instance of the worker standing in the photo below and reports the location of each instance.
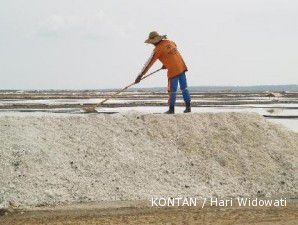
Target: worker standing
(166, 51)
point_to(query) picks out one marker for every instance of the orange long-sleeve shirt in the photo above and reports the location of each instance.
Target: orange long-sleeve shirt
(166, 51)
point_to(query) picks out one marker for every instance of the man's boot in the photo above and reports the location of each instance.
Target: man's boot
(187, 107)
(171, 110)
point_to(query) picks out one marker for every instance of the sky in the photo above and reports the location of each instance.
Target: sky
(95, 44)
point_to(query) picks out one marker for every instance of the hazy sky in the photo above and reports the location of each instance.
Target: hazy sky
(100, 43)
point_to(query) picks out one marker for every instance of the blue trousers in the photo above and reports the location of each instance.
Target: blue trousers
(173, 86)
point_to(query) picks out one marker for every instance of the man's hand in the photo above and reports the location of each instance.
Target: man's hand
(138, 79)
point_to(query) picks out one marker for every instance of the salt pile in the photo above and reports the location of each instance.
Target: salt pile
(67, 159)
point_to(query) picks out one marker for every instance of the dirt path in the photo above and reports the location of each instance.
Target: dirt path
(91, 215)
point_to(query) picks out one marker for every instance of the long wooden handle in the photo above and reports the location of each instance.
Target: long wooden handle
(125, 88)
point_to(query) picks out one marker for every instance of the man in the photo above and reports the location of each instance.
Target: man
(166, 51)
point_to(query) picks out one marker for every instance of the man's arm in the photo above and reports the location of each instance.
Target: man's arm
(152, 59)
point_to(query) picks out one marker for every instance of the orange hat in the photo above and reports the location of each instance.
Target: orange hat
(154, 38)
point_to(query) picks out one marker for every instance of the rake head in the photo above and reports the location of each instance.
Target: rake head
(90, 109)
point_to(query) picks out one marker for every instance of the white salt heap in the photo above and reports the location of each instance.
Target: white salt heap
(66, 159)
